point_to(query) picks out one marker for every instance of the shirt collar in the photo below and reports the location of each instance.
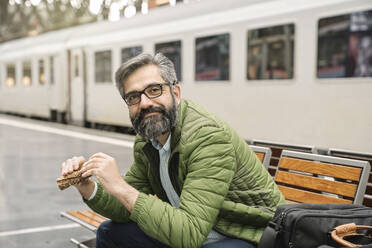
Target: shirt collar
(159, 147)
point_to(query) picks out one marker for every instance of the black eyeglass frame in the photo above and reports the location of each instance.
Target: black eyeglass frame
(161, 85)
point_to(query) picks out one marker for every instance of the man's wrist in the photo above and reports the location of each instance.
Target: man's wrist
(86, 188)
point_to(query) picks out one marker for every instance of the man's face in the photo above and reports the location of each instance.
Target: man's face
(154, 117)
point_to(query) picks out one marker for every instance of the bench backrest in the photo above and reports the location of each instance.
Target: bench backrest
(313, 178)
(360, 156)
(263, 154)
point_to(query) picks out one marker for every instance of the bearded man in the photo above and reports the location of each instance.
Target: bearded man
(193, 183)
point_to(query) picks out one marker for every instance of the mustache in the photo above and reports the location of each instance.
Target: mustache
(139, 117)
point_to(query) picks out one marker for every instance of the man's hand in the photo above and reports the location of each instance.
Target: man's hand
(86, 186)
(106, 171)
(71, 165)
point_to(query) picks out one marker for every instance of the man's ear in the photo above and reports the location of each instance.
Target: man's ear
(177, 92)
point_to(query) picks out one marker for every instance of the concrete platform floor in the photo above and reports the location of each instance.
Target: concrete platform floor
(30, 156)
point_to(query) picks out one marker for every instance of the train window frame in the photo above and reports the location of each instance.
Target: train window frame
(292, 58)
(177, 68)
(107, 77)
(7, 84)
(27, 83)
(346, 54)
(42, 81)
(129, 47)
(76, 65)
(51, 70)
(208, 35)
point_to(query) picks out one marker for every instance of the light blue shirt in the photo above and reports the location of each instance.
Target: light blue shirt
(164, 154)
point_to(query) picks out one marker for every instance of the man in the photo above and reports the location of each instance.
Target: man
(193, 183)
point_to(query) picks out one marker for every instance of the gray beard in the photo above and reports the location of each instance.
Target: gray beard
(155, 125)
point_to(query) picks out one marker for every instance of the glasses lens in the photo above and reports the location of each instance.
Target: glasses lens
(133, 98)
(153, 91)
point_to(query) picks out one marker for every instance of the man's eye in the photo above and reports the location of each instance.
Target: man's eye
(154, 90)
(131, 98)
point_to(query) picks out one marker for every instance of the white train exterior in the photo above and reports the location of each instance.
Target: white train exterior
(302, 109)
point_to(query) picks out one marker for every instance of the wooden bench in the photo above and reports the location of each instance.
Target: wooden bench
(88, 219)
(263, 154)
(312, 178)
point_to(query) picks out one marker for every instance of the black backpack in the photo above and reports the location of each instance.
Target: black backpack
(309, 225)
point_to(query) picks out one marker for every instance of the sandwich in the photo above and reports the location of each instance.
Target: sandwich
(64, 182)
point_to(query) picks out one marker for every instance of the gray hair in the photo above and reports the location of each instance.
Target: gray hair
(165, 66)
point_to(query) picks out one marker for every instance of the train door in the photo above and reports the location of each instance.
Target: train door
(77, 87)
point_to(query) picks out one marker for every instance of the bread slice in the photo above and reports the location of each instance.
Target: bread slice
(64, 182)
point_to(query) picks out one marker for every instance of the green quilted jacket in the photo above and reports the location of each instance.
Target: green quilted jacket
(221, 183)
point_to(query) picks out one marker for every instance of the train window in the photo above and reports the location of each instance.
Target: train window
(171, 50)
(51, 68)
(130, 52)
(212, 57)
(41, 72)
(270, 53)
(103, 66)
(345, 46)
(27, 73)
(10, 75)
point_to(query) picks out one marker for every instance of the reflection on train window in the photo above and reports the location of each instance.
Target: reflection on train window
(103, 66)
(270, 52)
(41, 72)
(171, 50)
(130, 52)
(10, 75)
(345, 45)
(76, 66)
(51, 67)
(212, 58)
(27, 74)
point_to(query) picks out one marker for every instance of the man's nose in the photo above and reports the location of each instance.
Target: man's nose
(145, 101)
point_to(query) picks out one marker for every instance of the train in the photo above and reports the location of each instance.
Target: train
(289, 71)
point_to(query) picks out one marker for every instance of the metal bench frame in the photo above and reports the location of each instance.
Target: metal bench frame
(266, 152)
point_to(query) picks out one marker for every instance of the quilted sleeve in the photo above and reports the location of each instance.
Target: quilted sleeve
(211, 165)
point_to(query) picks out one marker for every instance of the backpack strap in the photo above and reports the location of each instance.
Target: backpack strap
(269, 236)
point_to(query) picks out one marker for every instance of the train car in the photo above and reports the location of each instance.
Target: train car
(296, 72)
(33, 76)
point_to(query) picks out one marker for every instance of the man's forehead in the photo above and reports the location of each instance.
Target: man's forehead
(143, 77)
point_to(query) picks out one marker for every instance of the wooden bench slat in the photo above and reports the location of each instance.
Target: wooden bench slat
(79, 215)
(298, 195)
(260, 156)
(94, 215)
(332, 170)
(315, 183)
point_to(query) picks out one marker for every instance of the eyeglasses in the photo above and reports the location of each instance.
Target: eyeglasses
(151, 91)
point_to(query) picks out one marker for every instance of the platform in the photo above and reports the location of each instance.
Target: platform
(30, 156)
